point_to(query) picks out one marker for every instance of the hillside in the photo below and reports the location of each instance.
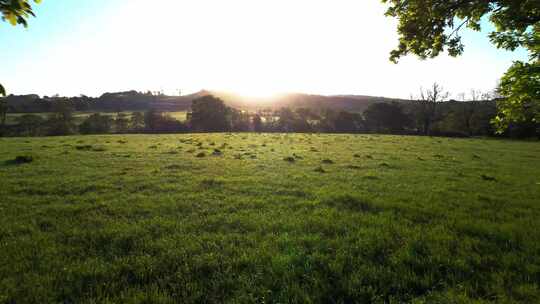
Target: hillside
(135, 101)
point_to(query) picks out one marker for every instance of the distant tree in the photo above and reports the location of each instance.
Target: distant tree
(347, 122)
(156, 121)
(3, 114)
(96, 124)
(121, 122)
(169, 124)
(210, 114)
(467, 110)
(386, 117)
(151, 119)
(307, 114)
(257, 123)
(327, 121)
(239, 121)
(137, 121)
(292, 121)
(30, 124)
(426, 106)
(60, 121)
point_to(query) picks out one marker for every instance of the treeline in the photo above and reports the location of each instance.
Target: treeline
(108, 102)
(426, 116)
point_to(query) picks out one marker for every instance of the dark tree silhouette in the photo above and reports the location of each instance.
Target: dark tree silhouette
(121, 122)
(60, 121)
(386, 117)
(347, 122)
(257, 123)
(96, 124)
(137, 121)
(426, 106)
(210, 114)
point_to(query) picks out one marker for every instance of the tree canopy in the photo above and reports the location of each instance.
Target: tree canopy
(17, 11)
(521, 87)
(427, 27)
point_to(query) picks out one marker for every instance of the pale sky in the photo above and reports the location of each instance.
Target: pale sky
(253, 47)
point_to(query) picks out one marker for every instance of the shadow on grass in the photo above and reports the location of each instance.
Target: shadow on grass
(19, 160)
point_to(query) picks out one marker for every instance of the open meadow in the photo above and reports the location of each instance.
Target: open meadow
(269, 218)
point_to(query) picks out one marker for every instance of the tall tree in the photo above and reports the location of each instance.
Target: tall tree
(428, 27)
(426, 106)
(386, 117)
(257, 123)
(520, 87)
(3, 114)
(60, 121)
(121, 122)
(210, 114)
(96, 124)
(467, 109)
(137, 121)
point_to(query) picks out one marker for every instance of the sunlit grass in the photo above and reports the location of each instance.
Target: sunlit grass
(274, 218)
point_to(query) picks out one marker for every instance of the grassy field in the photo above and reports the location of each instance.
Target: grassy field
(269, 218)
(79, 117)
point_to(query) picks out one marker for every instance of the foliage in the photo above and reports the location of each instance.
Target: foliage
(347, 122)
(30, 125)
(96, 124)
(520, 87)
(429, 112)
(387, 117)
(426, 106)
(60, 121)
(17, 11)
(121, 122)
(210, 114)
(409, 220)
(427, 27)
(257, 123)
(137, 121)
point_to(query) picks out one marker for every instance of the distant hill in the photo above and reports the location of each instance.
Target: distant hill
(353, 103)
(137, 101)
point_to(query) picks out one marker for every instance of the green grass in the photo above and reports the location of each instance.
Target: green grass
(269, 218)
